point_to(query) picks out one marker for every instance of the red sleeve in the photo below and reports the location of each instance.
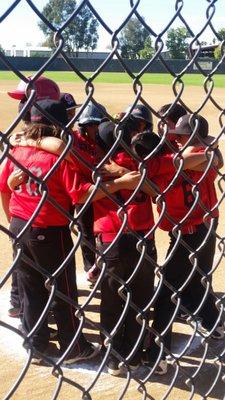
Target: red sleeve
(75, 183)
(161, 165)
(6, 170)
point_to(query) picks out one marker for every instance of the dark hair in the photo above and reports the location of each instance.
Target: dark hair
(175, 112)
(145, 143)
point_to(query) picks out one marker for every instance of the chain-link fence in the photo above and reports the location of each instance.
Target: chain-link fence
(141, 297)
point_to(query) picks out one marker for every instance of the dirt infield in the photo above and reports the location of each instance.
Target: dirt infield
(39, 382)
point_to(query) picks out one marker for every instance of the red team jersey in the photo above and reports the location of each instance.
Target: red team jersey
(86, 148)
(26, 198)
(180, 197)
(71, 181)
(139, 211)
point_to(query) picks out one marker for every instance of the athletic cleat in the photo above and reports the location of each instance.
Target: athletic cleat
(217, 334)
(93, 274)
(112, 365)
(132, 367)
(53, 334)
(161, 369)
(182, 317)
(14, 312)
(40, 356)
(89, 351)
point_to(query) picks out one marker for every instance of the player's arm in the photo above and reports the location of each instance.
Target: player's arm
(5, 193)
(192, 160)
(5, 199)
(16, 178)
(218, 162)
(112, 169)
(128, 181)
(51, 144)
(218, 158)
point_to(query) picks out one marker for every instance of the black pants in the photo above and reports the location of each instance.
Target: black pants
(177, 270)
(86, 222)
(121, 260)
(15, 294)
(47, 248)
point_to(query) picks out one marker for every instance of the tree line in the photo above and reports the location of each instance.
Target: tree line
(135, 40)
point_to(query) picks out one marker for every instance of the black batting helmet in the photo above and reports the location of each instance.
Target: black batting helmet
(144, 143)
(140, 111)
(92, 114)
(106, 138)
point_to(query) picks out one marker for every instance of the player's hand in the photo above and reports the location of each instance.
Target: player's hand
(112, 169)
(19, 139)
(130, 180)
(16, 178)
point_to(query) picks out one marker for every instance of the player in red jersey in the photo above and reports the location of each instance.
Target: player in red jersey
(44, 88)
(192, 219)
(85, 143)
(46, 241)
(122, 259)
(84, 147)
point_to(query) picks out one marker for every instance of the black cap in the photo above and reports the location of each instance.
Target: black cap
(105, 137)
(187, 124)
(54, 108)
(68, 101)
(92, 114)
(142, 112)
(143, 143)
(26, 114)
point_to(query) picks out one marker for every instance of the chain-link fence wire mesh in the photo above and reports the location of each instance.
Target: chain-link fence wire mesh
(193, 245)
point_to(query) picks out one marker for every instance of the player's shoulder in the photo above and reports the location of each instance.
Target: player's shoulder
(161, 164)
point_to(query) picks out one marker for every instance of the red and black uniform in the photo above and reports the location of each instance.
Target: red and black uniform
(87, 150)
(189, 217)
(46, 243)
(121, 259)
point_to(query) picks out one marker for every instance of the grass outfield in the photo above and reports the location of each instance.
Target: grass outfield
(121, 77)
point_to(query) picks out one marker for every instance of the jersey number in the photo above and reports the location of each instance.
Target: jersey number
(188, 195)
(31, 185)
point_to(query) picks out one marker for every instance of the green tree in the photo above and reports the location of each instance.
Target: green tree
(217, 53)
(148, 50)
(132, 39)
(218, 49)
(81, 31)
(177, 42)
(1, 49)
(221, 33)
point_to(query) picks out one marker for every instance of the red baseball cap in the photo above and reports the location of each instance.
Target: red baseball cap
(45, 89)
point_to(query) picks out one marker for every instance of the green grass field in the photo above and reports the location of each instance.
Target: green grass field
(121, 77)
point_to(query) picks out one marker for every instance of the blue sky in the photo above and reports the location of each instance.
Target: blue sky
(20, 27)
